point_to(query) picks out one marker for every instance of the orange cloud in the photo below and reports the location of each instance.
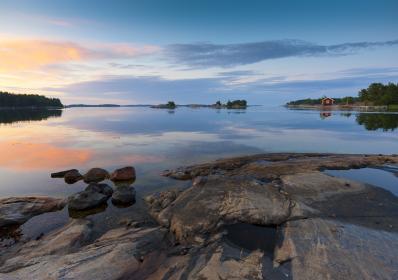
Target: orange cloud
(23, 54)
(26, 156)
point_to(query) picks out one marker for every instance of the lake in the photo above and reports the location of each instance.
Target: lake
(35, 143)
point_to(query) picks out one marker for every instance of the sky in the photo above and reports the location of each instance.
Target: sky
(148, 52)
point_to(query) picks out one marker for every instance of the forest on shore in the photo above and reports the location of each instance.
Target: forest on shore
(376, 94)
(11, 100)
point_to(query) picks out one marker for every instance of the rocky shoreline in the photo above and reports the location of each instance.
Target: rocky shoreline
(268, 216)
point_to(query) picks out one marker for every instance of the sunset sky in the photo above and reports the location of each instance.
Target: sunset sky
(140, 52)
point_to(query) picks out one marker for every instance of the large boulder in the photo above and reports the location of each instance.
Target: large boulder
(86, 200)
(95, 175)
(216, 201)
(123, 174)
(17, 210)
(72, 177)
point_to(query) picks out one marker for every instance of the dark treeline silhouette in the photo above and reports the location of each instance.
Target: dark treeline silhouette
(376, 94)
(8, 116)
(385, 122)
(27, 100)
(380, 94)
(237, 104)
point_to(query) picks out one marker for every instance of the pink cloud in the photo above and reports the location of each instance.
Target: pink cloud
(22, 54)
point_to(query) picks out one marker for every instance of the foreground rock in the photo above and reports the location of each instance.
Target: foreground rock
(17, 210)
(95, 175)
(123, 174)
(272, 166)
(273, 216)
(86, 200)
(326, 249)
(118, 253)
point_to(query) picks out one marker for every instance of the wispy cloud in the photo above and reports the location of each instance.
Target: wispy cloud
(265, 90)
(22, 54)
(227, 55)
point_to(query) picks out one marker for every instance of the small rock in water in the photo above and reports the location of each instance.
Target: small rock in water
(72, 177)
(100, 188)
(95, 175)
(62, 174)
(86, 200)
(123, 196)
(123, 174)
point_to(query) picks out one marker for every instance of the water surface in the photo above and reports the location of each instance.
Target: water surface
(35, 143)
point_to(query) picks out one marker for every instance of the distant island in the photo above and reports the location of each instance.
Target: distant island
(12, 100)
(235, 104)
(376, 96)
(169, 105)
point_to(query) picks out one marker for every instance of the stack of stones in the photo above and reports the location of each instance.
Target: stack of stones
(96, 194)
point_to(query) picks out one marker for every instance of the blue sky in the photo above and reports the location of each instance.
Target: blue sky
(128, 52)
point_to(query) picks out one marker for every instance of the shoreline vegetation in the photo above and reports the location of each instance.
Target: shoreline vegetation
(235, 104)
(11, 100)
(377, 97)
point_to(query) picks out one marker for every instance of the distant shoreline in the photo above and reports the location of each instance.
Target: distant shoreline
(361, 108)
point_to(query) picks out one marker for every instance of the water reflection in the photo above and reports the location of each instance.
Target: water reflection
(371, 121)
(386, 122)
(8, 116)
(153, 140)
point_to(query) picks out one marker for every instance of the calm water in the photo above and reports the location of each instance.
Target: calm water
(33, 144)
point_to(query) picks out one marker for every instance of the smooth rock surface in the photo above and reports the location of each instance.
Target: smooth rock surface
(326, 249)
(17, 210)
(86, 200)
(72, 177)
(118, 253)
(316, 227)
(95, 175)
(61, 174)
(123, 174)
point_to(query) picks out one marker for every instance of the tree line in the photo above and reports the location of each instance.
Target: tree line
(375, 94)
(8, 99)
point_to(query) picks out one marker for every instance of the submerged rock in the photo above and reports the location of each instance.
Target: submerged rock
(17, 210)
(86, 200)
(123, 174)
(61, 174)
(95, 175)
(123, 196)
(104, 189)
(72, 177)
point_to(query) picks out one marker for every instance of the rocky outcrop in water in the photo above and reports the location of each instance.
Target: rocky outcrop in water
(273, 216)
(95, 175)
(17, 210)
(123, 174)
(72, 177)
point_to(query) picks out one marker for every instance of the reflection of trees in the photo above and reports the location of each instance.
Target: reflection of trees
(378, 121)
(19, 115)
